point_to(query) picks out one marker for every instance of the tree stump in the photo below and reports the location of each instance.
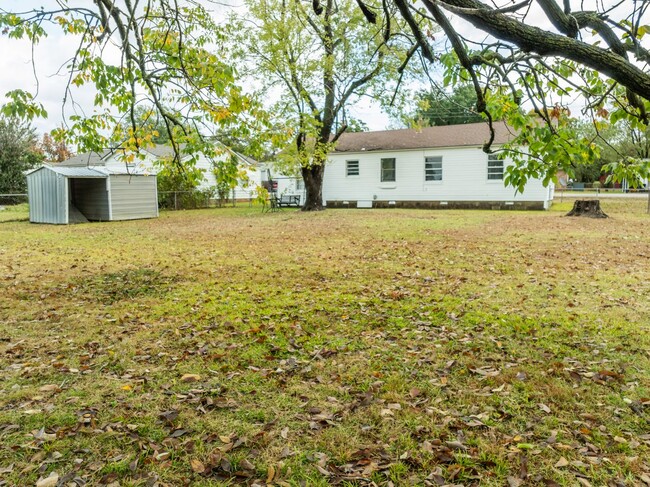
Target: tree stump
(588, 208)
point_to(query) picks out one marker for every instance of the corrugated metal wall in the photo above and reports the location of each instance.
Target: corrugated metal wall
(48, 197)
(133, 197)
(90, 196)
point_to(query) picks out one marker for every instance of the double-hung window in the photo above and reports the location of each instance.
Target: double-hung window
(433, 168)
(495, 167)
(351, 168)
(388, 170)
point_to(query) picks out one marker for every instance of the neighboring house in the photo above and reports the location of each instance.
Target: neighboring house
(148, 163)
(282, 184)
(433, 167)
(63, 195)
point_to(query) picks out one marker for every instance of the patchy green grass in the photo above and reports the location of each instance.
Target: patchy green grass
(224, 347)
(14, 213)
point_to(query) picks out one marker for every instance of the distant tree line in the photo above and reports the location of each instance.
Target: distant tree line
(21, 150)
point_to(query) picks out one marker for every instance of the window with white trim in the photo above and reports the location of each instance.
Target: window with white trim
(388, 173)
(351, 168)
(495, 167)
(433, 168)
(300, 184)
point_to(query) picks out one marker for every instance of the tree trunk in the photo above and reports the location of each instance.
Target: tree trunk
(313, 178)
(588, 208)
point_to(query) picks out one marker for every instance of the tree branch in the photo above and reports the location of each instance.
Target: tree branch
(533, 39)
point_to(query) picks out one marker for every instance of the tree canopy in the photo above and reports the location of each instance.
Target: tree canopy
(166, 56)
(171, 57)
(520, 66)
(439, 107)
(19, 152)
(321, 59)
(54, 149)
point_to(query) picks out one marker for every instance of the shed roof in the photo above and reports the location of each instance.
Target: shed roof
(73, 172)
(470, 134)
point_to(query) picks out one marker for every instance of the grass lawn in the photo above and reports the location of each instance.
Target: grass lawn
(400, 347)
(14, 213)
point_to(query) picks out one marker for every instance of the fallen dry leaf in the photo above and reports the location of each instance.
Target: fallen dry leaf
(286, 452)
(169, 416)
(270, 475)
(190, 378)
(562, 462)
(50, 388)
(197, 466)
(50, 481)
(456, 445)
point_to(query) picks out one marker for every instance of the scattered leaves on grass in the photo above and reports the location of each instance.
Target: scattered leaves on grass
(524, 340)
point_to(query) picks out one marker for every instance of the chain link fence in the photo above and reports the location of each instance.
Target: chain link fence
(191, 200)
(168, 200)
(10, 199)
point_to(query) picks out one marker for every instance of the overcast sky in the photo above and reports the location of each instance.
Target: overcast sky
(54, 52)
(17, 70)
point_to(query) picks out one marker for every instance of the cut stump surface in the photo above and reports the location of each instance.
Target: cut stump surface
(588, 208)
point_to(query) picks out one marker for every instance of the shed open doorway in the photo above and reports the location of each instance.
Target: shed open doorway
(88, 200)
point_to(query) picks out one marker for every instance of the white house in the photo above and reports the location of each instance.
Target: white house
(432, 167)
(283, 184)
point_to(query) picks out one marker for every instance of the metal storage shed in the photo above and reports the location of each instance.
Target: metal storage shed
(63, 195)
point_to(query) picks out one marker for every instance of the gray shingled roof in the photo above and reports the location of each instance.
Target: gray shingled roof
(162, 150)
(86, 159)
(97, 159)
(158, 150)
(470, 134)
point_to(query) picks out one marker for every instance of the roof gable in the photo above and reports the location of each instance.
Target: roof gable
(470, 134)
(86, 159)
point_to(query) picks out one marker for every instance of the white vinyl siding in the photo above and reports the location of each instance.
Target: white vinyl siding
(495, 167)
(388, 170)
(433, 168)
(351, 168)
(464, 178)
